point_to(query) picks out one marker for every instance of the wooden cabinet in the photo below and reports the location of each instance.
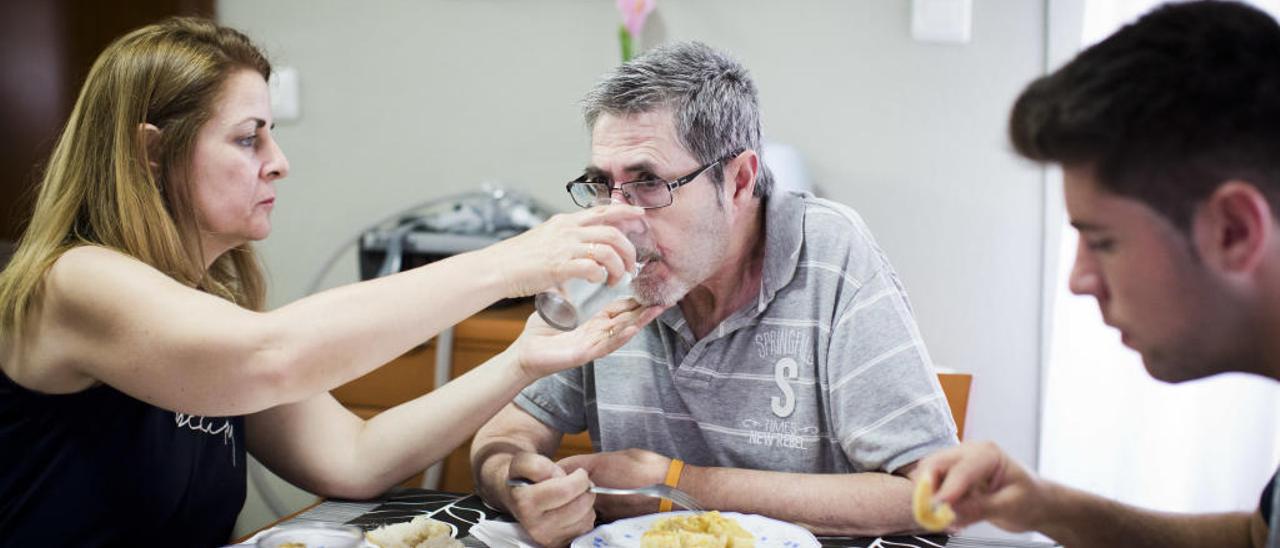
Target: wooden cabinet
(49, 46)
(475, 340)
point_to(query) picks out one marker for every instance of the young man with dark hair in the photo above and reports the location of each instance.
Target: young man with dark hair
(1168, 133)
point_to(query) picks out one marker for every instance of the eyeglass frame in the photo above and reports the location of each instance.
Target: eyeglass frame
(672, 185)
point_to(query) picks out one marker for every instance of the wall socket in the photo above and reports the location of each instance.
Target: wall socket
(941, 21)
(283, 88)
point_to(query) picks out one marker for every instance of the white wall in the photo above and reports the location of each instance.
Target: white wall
(407, 100)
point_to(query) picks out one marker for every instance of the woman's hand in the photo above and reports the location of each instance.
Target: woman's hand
(584, 244)
(543, 350)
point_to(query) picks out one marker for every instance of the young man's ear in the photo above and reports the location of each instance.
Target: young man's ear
(1233, 228)
(150, 137)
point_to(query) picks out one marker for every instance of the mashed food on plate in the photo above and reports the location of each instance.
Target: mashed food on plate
(421, 532)
(706, 530)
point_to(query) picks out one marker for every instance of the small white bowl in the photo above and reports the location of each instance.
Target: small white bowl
(313, 535)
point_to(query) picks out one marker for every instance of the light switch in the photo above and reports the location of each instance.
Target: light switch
(942, 21)
(283, 89)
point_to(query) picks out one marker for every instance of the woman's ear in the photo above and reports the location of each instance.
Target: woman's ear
(1232, 229)
(149, 135)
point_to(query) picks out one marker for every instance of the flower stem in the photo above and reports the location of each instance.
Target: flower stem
(624, 37)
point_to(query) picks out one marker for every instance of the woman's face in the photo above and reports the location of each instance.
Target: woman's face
(234, 167)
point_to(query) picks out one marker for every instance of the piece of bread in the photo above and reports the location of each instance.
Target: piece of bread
(421, 532)
(923, 510)
(706, 530)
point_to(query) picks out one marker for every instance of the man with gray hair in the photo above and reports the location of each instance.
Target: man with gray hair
(788, 373)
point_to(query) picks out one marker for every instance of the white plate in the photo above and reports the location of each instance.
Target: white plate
(769, 532)
(252, 542)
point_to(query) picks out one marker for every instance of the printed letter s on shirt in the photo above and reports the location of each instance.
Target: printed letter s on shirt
(786, 368)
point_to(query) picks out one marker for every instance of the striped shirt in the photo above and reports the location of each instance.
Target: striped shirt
(825, 372)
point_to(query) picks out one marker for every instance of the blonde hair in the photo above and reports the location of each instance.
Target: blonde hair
(98, 188)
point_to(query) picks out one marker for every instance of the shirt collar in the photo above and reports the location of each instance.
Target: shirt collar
(784, 236)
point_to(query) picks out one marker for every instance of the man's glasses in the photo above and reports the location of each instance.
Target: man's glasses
(649, 193)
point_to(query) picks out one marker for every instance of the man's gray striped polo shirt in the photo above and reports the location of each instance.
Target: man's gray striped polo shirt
(825, 373)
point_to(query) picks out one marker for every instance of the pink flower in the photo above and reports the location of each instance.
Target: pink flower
(634, 12)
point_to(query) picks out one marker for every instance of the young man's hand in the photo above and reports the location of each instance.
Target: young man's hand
(982, 483)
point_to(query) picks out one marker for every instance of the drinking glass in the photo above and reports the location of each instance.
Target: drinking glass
(577, 300)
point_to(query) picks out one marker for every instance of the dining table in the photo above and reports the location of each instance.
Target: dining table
(465, 510)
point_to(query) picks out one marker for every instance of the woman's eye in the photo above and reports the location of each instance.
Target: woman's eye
(248, 141)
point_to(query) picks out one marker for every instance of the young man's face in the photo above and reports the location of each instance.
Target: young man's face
(1149, 284)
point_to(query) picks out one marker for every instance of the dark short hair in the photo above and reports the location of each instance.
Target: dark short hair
(1166, 109)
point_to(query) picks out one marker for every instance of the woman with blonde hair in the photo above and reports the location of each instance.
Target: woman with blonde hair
(137, 363)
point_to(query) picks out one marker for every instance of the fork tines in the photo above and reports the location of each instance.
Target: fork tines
(680, 497)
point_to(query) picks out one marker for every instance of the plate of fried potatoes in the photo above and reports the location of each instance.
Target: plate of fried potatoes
(709, 529)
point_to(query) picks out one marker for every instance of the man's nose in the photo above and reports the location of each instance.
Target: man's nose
(616, 193)
(1084, 278)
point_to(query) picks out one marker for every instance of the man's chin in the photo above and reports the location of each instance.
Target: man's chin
(1165, 370)
(652, 299)
(650, 292)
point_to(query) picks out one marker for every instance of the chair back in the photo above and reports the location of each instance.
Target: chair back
(956, 388)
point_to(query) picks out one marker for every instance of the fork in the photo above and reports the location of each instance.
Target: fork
(657, 490)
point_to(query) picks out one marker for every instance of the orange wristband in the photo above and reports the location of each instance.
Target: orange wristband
(673, 481)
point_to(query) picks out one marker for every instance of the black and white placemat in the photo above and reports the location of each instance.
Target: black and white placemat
(465, 510)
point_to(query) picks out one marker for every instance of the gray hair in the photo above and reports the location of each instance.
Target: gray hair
(709, 93)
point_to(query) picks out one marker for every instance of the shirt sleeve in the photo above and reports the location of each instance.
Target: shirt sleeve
(557, 400)
(888, 409)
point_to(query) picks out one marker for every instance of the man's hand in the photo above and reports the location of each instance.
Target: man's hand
(621, 469)
(981, 482)
(557, 507)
